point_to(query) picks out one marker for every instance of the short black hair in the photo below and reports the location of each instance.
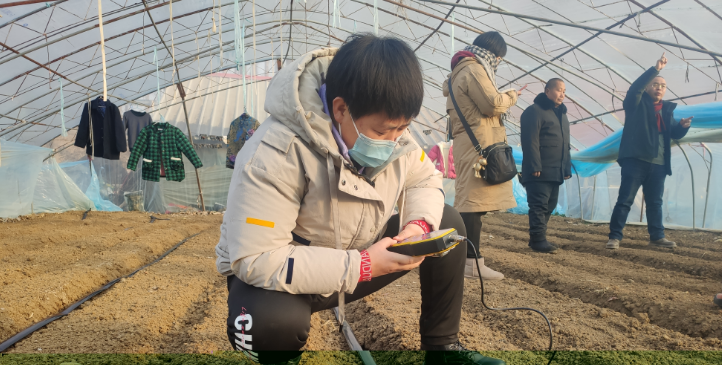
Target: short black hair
(552, 83)
(492, 41)
(373, 74)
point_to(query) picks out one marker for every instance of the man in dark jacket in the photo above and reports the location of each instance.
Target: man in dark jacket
(645, 153)
(546, 164)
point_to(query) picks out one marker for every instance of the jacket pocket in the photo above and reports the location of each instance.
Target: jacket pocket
(176, 163)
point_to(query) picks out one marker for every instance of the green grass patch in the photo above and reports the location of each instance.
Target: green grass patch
(381, 358)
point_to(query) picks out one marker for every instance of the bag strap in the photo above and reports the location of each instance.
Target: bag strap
(473, 139)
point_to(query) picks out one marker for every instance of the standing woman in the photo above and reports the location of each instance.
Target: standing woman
(473, 78)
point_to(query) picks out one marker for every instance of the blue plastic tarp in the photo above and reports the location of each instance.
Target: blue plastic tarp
(93, 189)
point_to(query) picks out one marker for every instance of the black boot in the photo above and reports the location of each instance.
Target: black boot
(456, 354)
(539, 243)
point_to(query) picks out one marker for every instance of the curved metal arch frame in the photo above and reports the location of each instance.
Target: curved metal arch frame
(202, 52)
(347, 18)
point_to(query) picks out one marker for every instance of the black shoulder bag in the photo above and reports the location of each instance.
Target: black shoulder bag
(496, 163)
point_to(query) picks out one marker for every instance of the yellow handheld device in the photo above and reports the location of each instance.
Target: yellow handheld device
(436, 243)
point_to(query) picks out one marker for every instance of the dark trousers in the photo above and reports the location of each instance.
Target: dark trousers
(473, 224)
(268, 320)
(542, 197)
(650, 177)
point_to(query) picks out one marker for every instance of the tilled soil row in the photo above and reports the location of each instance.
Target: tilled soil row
(664, 259)
(389, 320)
(690, 314)
(177, 305)
(40, 278)
(633, 234)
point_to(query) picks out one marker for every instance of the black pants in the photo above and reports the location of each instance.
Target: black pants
(265, 320)
(473, 224)
(542, 197)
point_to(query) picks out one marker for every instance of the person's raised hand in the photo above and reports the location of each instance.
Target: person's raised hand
(536, 173)
(661, 62)
(385, 262)
(686, 122)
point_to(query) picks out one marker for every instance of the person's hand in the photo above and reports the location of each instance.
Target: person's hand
(385, 262)
(410, 231)
(536, 173)
(661, 62)
(90, 158)
(567, 177)
(518, 93)
(685, 122)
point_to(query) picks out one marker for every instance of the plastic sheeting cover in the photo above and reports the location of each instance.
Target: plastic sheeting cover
(93, 187)
(56, 192)
(20, 165)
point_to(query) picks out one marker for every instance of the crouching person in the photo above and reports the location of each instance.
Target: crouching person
(312, 199)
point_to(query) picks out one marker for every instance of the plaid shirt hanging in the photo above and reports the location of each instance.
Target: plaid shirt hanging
(162, 141)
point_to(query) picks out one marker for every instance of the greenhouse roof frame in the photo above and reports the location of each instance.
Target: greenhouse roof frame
(41, 44)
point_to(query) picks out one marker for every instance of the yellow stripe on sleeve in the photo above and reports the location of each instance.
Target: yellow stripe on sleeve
(423, 154)
(260, 222)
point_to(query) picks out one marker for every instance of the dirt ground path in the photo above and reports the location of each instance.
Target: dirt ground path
(177, 305)
(635, 298)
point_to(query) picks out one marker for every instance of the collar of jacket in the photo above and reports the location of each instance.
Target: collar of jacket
(543, 101)
(96, 102)
(667, 106)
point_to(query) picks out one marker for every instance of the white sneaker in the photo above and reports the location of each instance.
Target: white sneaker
(613, 244)
(486, 273)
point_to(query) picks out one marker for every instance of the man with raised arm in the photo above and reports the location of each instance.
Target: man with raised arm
(644, 153)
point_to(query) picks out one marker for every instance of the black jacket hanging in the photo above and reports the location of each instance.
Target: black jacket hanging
(107, 138)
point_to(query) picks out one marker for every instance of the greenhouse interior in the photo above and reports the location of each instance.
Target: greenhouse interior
(53, 65)
(85, 228)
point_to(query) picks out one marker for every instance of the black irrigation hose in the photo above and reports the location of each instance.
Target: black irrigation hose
(478, 270)
(435, 30)
(28, 331)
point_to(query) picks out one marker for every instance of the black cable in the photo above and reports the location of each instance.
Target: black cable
(478, 270)
(437, 28)
(290, 30)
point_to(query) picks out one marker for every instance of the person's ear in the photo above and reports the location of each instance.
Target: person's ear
(339, 109)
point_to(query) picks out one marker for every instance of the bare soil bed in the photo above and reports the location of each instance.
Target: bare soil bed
(634, 298)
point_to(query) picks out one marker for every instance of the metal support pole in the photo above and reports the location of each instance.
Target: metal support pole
(691, 172)
(579, 187)
(594, 195)
(709, 178)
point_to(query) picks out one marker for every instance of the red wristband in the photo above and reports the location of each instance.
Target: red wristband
(425, 226)
(365, 266)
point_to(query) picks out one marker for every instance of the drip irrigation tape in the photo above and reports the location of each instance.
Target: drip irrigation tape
(353, 343)
(28, 331)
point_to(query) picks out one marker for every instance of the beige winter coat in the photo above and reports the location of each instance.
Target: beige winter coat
(293, 202)
(482, 105)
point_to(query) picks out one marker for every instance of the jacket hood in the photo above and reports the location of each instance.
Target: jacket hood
(543, 101)
(459, 56)
(292, 98)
